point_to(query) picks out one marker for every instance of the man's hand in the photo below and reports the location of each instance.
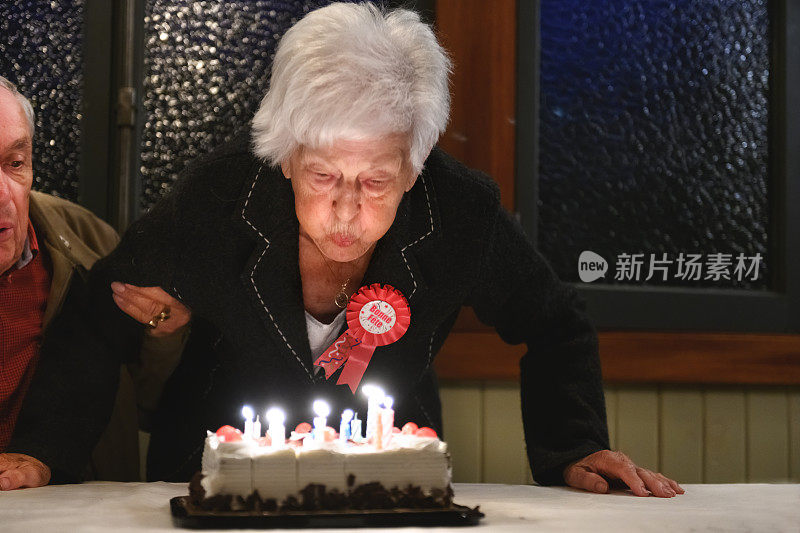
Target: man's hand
(18, 471)
(146, 304)
(592, 472)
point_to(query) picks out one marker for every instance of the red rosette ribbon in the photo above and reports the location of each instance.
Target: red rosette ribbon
(376, 316)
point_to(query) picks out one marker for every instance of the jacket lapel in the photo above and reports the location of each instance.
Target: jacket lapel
(271, 276)
(394, 261)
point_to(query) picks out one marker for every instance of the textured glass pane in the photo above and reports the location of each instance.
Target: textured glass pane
(41, 51)
(206, 69)
(653, 136)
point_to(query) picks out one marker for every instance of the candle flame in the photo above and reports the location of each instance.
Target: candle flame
(321, 408)
(275, 415)
(388, 401)
(247, 412)
(373, 391)
(347, 415)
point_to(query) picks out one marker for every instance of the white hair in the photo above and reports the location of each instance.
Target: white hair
(354, 71)
(27, 108)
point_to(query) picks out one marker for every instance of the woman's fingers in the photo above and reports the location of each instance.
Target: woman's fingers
(672, 483)
(657, 486)
(155, 294)
(146, 304)
(140, 307)
(581, 478)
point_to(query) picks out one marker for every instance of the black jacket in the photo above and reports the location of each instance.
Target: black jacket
(225, 242)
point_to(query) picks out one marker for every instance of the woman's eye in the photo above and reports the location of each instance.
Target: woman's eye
(375, 184)
(17, 164)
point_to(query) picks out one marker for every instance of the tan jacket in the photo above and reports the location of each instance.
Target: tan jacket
(74, 239)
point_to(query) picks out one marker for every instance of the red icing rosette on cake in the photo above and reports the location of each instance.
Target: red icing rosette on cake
(376, 316)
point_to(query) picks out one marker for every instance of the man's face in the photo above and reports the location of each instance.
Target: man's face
(16, 177)
(346, 195)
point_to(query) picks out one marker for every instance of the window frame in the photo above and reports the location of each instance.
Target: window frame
(95, 174)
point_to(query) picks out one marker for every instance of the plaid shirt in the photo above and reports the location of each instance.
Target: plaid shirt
(24, 289)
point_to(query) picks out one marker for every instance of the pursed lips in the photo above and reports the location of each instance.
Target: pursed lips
(343, 240)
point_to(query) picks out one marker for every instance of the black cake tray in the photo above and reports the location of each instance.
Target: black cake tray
(186, 515)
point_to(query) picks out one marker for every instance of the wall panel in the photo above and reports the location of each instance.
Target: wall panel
(681, 430)
(767, 436)
(507, 462)
(462, 411)
(725, 437)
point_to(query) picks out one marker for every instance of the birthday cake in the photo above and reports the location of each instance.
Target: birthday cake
(321, 470)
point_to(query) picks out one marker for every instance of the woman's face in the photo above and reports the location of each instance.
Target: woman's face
(346, 195)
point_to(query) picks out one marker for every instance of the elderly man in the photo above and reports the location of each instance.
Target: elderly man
(47, 245)
(337, 187)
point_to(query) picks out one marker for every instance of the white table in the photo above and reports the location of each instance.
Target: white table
(121, 507)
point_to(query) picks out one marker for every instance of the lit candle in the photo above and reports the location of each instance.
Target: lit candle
(387, 419)
(322, 410)
(355, 429)
(257, 428)
(276, 429)
(375, 395)
(247, 413)
(377, 437)
(344, 427)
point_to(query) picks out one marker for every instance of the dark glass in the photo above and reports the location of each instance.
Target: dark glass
(206, 68)
(653, 135)
(41, 51)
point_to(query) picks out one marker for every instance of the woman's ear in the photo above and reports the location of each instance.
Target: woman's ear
(411, 181)
(286, 168)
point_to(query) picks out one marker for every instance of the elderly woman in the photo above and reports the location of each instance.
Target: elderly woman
(337, 186)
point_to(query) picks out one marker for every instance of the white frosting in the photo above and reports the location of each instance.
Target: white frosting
(321, 466)
(229, 467)
(275, 473)
(239, 468)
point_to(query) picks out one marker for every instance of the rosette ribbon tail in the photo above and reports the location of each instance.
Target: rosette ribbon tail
(356, 365)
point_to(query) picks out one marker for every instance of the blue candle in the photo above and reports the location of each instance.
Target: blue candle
(344, 427)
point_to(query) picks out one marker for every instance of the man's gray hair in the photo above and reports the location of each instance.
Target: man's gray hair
(27, 108)
(354, 71)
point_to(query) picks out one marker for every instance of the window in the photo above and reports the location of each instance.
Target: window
(659, 134)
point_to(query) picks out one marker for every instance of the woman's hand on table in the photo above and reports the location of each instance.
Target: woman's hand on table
(594, 472)
(19, 471)
(152, 306)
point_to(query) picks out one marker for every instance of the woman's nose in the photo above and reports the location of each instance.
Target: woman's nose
(346, 203)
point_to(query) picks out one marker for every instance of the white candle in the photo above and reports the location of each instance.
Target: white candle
(375, 396)
(344, 426)
(247, 413)
(322, 410)
(257, 428)
(387, 419)
(276, 429)
(355, 429)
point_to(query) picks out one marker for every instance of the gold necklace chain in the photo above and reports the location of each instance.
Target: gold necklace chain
(342, 297)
